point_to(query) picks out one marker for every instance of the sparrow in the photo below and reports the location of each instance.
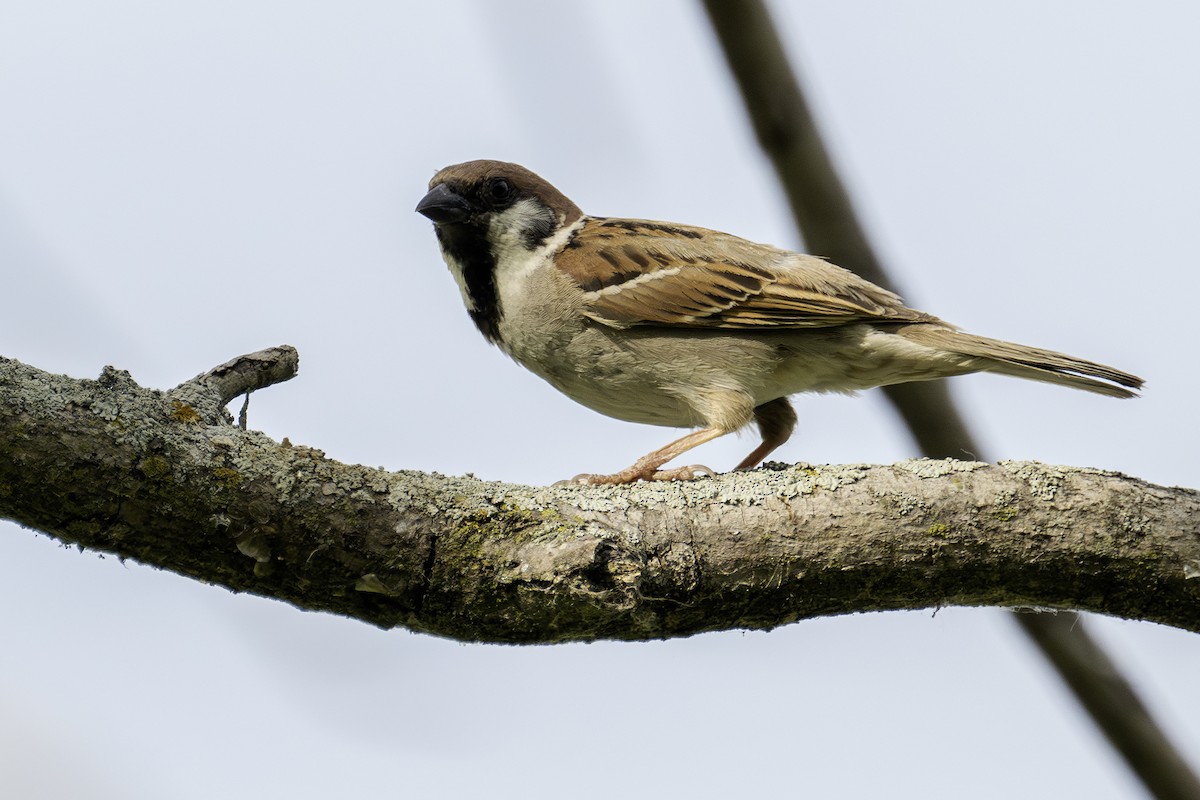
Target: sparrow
(680, 326)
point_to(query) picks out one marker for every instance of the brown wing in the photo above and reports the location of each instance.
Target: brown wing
(637, 272)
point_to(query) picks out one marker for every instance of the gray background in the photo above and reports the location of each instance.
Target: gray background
(181, 183)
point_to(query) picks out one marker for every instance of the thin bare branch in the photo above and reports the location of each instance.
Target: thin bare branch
(1119, 712)
(825, 215)
(820, 204)
(247, 373)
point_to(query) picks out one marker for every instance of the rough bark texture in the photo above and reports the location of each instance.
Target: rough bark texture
(168, 480)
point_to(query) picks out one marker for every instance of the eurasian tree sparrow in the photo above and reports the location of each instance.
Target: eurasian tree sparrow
(674, 325)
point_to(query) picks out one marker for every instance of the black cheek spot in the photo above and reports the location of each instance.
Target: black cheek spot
(538, 231)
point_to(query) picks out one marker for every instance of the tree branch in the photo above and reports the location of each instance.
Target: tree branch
(109, 465)
(246, 373)
(1120, 713)
(208, 392)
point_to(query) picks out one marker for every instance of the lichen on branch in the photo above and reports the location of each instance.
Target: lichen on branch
(165, 478)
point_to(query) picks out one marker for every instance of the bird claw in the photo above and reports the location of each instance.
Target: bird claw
(578, 480)
(688, 473)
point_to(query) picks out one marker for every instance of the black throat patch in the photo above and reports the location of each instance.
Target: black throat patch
(468, 246)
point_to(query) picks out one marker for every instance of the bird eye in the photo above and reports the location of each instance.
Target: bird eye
(500, 191)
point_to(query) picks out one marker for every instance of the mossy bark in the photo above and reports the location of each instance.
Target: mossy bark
(167, 479)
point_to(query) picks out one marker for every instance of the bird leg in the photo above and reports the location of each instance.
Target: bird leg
(647, 467)
(776, 420)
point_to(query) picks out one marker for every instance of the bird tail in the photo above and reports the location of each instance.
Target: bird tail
(1021, 361)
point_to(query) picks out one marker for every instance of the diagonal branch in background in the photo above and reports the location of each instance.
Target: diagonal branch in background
(109, 465)
(821, 206)
(819, 201)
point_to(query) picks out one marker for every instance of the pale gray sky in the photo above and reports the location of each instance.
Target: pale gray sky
(181, 183)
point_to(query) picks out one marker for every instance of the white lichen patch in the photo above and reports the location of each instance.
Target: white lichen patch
(937, 467)
(808, 479)
(734, 488)
(1044, 480)
(1134, 521)
(752, 488)
(904, 503)
(586, 498)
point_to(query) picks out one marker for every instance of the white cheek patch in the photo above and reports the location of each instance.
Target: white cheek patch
(519, 244)
(508, 233)
(516, 263)
(511, 230)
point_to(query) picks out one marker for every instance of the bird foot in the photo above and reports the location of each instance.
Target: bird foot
(635, 474)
